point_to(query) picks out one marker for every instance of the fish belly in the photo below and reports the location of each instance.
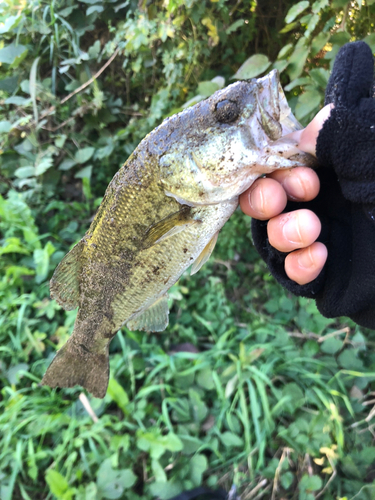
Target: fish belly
(161, 265)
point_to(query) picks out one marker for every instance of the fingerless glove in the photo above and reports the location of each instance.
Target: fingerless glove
(345, 204)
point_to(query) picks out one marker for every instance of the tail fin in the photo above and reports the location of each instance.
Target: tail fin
(75, 365)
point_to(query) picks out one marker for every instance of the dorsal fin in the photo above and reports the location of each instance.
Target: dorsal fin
(64, 285)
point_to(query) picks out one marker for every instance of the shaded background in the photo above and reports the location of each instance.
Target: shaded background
(265, 393)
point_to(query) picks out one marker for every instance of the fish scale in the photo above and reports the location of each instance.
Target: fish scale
(162, 213)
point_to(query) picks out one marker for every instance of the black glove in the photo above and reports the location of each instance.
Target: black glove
(346, 201)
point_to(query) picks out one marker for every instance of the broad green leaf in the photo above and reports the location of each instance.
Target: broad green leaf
(58, 485)
(231, 440)
(340, 38)
(117, 393)
(159, 473)
(320, 76)
(10, 23)
(319, 42)
(307, 102)
(370, 40)
(297, 82)
(24, 172)
(310, 483)
(297, 62)
(111, 482)
(319, 5)
(198, 465)
(285, 51)
(289, 27)
(94, 8)
(44, 164)
(331, 345)
(18, 100)
(84, 173)
(11, 53)
(296, 10)
(84, 154)
(67, 164)
(5, 126)
(234, 26)
(207, 88)
(252, 67)
(311, 25)
(16, 372)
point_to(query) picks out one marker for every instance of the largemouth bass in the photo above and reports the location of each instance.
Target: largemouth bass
(161, 213)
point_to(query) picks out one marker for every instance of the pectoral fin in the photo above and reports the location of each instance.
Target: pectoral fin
(204, 255)
(153, 319)
(64, 285)
(171, 225)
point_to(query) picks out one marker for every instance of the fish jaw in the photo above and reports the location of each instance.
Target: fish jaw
(216, 162)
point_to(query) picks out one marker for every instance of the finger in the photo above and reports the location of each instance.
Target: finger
(305, 265)
(300, 183)
(307, 137)
(293, 230)
(264, 199)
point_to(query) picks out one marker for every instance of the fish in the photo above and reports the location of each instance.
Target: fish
(161, 213)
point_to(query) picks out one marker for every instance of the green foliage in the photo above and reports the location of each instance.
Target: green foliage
(276, 396)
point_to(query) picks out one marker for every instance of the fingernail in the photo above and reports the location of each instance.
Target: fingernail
(305, 260)
(291, 231)
(256, 200)
(294, 187)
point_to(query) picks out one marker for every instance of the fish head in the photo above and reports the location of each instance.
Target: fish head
(213, 151)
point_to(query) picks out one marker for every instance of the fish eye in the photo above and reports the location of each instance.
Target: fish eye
(226, 111)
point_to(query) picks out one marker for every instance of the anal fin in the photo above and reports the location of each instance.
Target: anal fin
(153, 319)
(64, 285)
(169, 226)
(204, 255)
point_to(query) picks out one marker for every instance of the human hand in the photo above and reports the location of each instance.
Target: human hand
(293, 232)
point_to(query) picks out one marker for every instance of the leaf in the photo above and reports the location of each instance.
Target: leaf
(84, 154)
(117, 393)
(231, 440)
(198, 464)
(16, 372)
(307, 102)
(94, 8)
(370, 40)
(111, 483)
(319, 42)
(320, 76)
(18, 100)
(67, 164)
(24, 172)
(58, 485)
(234, 26)
(319, 5)
(84, 173)
(5, 126)
(297, 61)
(252, 67)
(296, 10)
(331, 345)
(44, 164)
(310, 483)
(207, 88)
(285, 51)
(289, 27)
(11, 53)
(10, 23)
(297, 82)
